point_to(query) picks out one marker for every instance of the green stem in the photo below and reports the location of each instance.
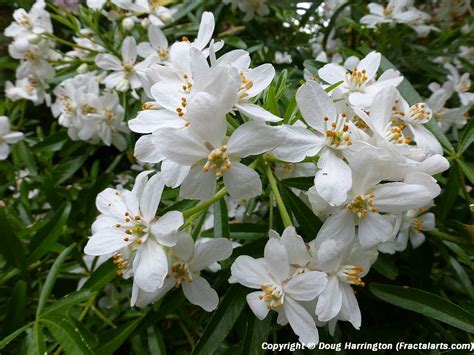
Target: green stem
(220, 194)
(281, 205)
(448, 237)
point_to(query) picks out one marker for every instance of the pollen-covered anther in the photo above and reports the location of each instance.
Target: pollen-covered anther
(148, 106)
(338, 135)
(362, 204)
(273, 296)
(181, 273)
(218, 161)
(351, 274)
(418, 224)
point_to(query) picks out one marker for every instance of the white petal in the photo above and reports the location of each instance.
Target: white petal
(108, 62)
(106, 241)
(256, 112)
(13, 137)
(301, 322)
(242, 182)
(249, 272)
(148, 121)
(140, 183)
(141, 298)
(335, 236)
(332, 73)
(207, 253)
(198, 184)
(110, 203)
(4, 150)
(166, 228)
(200, 293)
(295, 247)
(253, 138)
(150, 199)
(276, 259)
(157, 37)
(184, 248)
(173, 174)
(315, 104)
(146, 151)
(425, 140)
(181, 146)
(333, 179)
(129, 50)
(258, 306)
(205, 118)
(297, 144)
(206, 29)
(261, 77)
(329, 301)
(398, 196)
(375, 229)
(150, 266)
(371, 64)
(350, 308)
(306, 286)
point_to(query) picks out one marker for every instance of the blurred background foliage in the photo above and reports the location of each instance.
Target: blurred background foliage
(49, 185)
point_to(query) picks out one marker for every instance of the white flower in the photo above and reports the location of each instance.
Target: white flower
(360, 85)
(187, 260)
(374, 208)
(124, 71)
(330, 137)
(128, 227)
(337, 301)
(157, 14)
(35, 22)
(34, 60)
(7, 137)
(283, 57)
(250, 7)
(157, 49)
(29, 89)
(461, 84)
(446, 117)
(279, 290)
(414, 223)
(205, 148)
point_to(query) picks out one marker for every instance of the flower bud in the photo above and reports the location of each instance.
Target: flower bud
(83, 68)
(145, 22)
(165, 17)
(86, 32)
(33, 38)
(127, 23)
(123, 85)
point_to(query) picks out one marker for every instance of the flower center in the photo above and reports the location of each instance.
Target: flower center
(218, 161)
(128, 67)
(417, 224)
(362, 204)
(357, 79)
(120, 263)
(86, 109)
(273, 295)
(108, 115)
(337, 135)
(288, 168)
(387, 11)
(181, 273)
(464, 85)
(163, 53)
(351, 274)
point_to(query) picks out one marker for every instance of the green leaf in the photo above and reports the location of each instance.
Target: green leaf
(428, 304)
(156, 345)
(235, 42)
(67, 167)
(467, 169)
(117, 337)
(386, 266)
(308, 221)
(9, 338)
(67, 334)
(313, 66)
(222, 320)
(35, 342)
(49, 233)
(65, 303)
(257, 332)
(11, 247)
(450, 194)
(467, 137)
(243, 231)
(221, 220)
(16, 307)
(51, 278)
(104, 274)
(301, 183)
(25, 156)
